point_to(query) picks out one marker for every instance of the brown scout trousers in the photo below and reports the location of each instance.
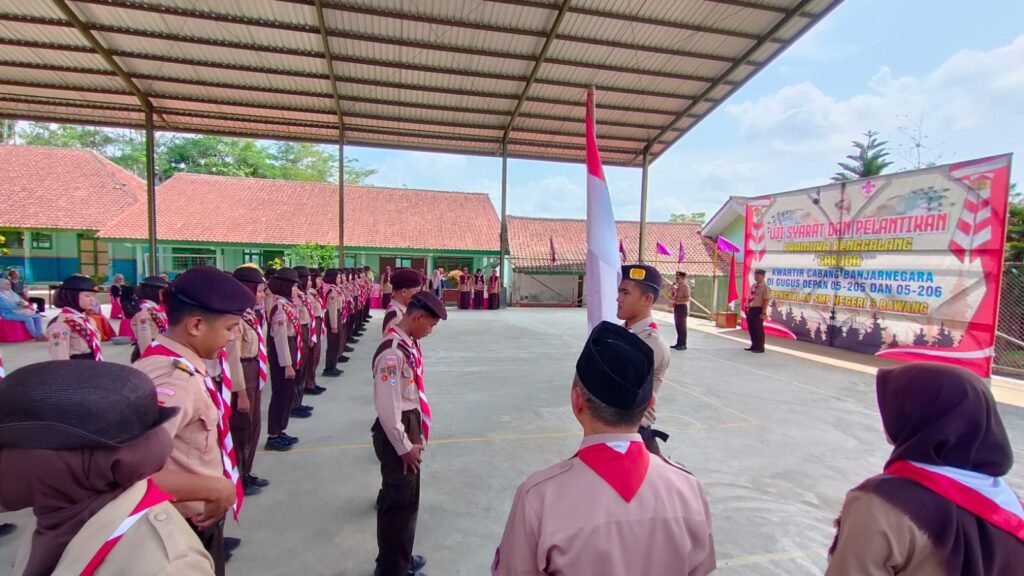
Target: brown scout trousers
(300, 374)
(398, 501)
(282, 390)
(314, 355)
(213, 541)
(333, 345)
(245, 428)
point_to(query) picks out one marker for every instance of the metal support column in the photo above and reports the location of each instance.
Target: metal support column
(504, 218)
(643, 206)
(341, 201)
(151, 192)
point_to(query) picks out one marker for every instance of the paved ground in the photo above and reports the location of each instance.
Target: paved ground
(777, 439)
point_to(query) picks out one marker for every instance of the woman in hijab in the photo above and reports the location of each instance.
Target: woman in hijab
(84, 470)
(115, 297)
(940, 507)
(71, 334)
(14, 307)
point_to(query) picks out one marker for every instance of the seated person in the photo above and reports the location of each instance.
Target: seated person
(14, 307)
(19, 288)
(100, 322)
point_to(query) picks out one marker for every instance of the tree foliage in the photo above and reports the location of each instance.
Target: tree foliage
(869, 159)
(312, 254)
(200, 153)
(689, 218)
(1015, 228)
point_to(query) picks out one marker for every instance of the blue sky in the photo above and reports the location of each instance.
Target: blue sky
(871, 65)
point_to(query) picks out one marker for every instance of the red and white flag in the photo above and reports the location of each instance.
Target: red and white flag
(603, 268)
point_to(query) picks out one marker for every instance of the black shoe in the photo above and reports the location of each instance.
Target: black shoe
(251, 490)
(417, 564)
(343, 359)
(297, 413)
(7, 528)
(278, 444)
(228, 556)
(255, 480)
(331, 373)
(320, 389)
(231, 544)
(353, 341)
(749, 349)
(316, 390)
(305, 408)
(758, 351)
(348, 349)
(289, 439)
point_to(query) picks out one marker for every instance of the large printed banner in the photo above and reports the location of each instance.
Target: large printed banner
(905, 266)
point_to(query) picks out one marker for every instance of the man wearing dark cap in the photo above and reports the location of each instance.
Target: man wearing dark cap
(401, 432)
(757, 306)
(405, 283)
(85, 471)
(638, 291)
(204, 309)
(613, 508)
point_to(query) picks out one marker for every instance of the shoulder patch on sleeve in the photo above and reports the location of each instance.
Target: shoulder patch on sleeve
(181, 365)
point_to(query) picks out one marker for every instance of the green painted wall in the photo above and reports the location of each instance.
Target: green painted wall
(735, 233)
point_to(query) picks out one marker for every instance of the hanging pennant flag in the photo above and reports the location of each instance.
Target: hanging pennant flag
(682, 252)
(725, 246)
(554, 258)
(662, 251)
(734, 293)
(603, 270)
(622, 251)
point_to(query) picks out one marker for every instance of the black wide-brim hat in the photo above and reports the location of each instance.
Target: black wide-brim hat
(80, 283)
(71, 405)
(288, 274)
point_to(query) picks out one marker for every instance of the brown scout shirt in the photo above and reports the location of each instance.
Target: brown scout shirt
(281, 328)
(196, 449)
(234, 363)
(682, 294)
(662, 358)
(144, 328)
(160, 543)
(876, 539)
(334, 305)
(567, 521)
(65, 342)
(395, 390)
(394, 315)
(249, 342)
(759, 295)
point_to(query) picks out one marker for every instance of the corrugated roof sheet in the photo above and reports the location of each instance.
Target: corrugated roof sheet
(431, 72)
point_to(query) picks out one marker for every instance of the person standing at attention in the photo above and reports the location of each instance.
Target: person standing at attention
(334, 320)
(305, 309)
(71, 334)
(400, 433)
(681, 308)
(465, 290)
(283, 355)
(204, 309)
(407, 284)
(252, 348)
(757, 306)
(115, 297)
(638, 292)
(385, 287)
(613, 509)
(493, 289)
(478, 289)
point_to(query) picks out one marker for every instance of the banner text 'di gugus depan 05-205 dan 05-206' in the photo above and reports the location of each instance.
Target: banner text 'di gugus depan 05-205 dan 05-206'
(905, 265)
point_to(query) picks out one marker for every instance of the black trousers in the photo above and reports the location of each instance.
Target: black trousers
(39, 303)
(213, 541)
(282, 390)
(333, 347)
(493, 301)
(398, 501)
(385, 299)
(681, 312)
(245, 428)
(300, 374)
(313, 356)
(464, 300)
(756, 328)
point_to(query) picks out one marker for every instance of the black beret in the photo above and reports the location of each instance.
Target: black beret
(617, 367)
(79, 283)
(248, 274)
(366, 268)
(315, 272)
(270, 272)
(66, 405)
(302, 271)
(154, 282)
(760, 271)
(287, 274)
(429, 303)
(210, 289)
(406, 278)
(642, 274)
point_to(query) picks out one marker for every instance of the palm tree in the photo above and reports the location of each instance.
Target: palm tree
(868, 161)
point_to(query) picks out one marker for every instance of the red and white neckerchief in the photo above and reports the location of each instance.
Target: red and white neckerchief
(225, 375)
(222, 401)
(622, 465)
(653, 326)
(154, 496)
(157, 314)
(962, 495)
(250, 318)
(84, 329)
(3, 373)
(415, 360)
(304, 298)
(293, 317)
(317, 327)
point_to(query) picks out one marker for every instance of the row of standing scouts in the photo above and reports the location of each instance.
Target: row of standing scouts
(617, 507)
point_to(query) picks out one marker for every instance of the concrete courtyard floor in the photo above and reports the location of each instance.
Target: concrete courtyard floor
(777, 439)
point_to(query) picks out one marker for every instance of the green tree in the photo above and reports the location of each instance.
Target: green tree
(303, 161)
(312, 254)
(356, 174)
(869, 160)
(1015, 228)
(689, 218)
(215, 155)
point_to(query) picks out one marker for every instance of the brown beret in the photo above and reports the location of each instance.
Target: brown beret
(427, 302)
(210, 289)
(406, 278)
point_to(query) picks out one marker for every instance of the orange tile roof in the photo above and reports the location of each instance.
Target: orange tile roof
(63, 188)
(230, 210)
(530, 245)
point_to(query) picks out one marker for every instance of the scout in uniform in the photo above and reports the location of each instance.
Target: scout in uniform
(465, 290)
(367, 281)
(478, 289)
(71, 335)
(638, 292)
(385, 287)
(333, 317)
(283, 355)
(493, 287)
(305, 309)
(86, 471)
(252, 348)
(612, 509)
(760, 294)
(204, 308)
(681, 308)
(317, 331)
(150, 320)
(401, 432)
(407, 283)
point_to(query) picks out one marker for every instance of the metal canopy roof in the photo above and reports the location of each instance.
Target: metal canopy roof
(459, 76)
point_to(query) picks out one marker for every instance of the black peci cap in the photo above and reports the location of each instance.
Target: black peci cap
(154, 282)
(302, 271)
(66, 405)
(79, 283)
(315, 272)
(642, 274)
(249, 274)
(759, 271)
(429, 303)
(617, 367)
(210, 289)
(287, 274)
(404, 278)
